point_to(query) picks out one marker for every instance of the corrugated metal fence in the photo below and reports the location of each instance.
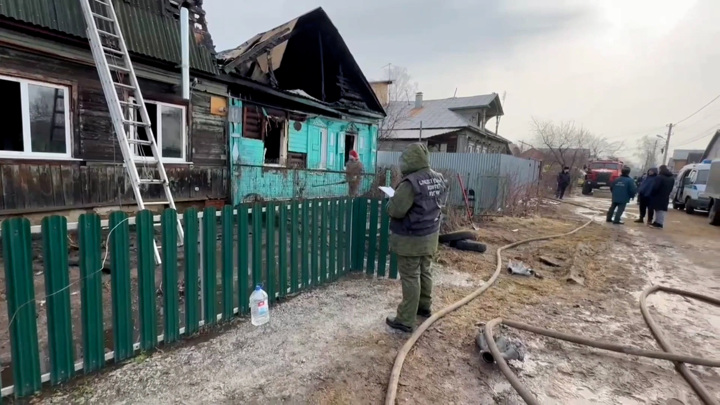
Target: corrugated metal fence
(487, 177)
(92, 318)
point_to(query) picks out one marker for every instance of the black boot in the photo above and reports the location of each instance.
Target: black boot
(640, 221)
(397, 325)
(425, 313)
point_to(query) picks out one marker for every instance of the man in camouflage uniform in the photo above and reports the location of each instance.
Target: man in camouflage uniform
(353, 173)
(415, 225)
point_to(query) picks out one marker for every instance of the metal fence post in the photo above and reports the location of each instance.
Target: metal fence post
(17, 253)
(59, 322)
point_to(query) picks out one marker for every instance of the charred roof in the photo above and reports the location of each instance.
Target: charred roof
(308, 58)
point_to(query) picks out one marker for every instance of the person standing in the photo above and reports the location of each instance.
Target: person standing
(660, 195)
(353, 173)
(414, 211)
(623, 190)
(563, 181)
(644, 191)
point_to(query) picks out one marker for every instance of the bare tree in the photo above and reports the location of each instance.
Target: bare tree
(401, 92)
(647, 151)
(567, 144)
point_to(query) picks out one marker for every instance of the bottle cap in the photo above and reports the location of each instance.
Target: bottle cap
(258, 287)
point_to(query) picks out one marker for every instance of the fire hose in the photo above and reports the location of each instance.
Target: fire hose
(668, 353)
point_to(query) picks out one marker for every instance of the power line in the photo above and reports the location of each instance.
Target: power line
(700, 109)
(715, 126)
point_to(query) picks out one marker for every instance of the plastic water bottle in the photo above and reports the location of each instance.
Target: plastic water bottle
(259, 310)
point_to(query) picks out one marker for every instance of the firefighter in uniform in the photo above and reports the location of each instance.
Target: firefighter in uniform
(415, 211)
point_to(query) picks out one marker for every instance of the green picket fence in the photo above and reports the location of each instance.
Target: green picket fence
(286, 246)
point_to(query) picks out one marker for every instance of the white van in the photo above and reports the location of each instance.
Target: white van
(689, 189)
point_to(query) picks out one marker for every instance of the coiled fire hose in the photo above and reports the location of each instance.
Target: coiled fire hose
(525, 394)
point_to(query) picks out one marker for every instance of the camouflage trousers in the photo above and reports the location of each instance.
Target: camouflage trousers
(416, 279)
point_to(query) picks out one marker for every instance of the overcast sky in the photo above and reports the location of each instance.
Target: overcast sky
(621, 68)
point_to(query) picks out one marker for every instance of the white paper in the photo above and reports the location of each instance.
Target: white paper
(389, 191)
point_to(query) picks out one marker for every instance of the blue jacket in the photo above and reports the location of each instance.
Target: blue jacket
(646, 186)
(623, 189)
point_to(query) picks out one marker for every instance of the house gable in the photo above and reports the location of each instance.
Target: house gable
(308, 57)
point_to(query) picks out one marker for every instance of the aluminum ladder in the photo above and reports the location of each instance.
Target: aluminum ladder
(126, 103)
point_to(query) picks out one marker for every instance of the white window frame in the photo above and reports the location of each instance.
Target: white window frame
(27, 152)
(158, 133)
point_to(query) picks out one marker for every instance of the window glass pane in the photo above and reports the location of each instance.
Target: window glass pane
(702, 177)
(172, 136)
(11, 117)
(47, 119)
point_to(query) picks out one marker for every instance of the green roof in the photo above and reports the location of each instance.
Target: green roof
(149, 28)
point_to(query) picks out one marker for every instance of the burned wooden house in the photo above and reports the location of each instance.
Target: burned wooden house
(274, 118)
(299, 104)
(58, 150)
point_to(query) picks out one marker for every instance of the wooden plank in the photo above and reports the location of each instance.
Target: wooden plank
(57, 185)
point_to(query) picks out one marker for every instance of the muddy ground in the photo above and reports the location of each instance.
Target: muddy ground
(331, 346)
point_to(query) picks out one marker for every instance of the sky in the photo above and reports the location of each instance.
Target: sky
(620, 68)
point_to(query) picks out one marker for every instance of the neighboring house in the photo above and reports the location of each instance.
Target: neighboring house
(299, 105)
(683, 157)
(713, 149)
(449, 125)
(58, 149)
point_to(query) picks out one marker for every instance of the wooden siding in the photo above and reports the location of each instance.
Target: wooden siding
(48, 186)
(97, 177)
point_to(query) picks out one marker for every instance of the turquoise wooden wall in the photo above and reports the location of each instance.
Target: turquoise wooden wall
(251, 178)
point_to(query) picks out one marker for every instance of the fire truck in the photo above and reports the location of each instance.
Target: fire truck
(601, 173)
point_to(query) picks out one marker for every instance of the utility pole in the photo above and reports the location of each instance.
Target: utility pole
(667, 144)
(650, 160)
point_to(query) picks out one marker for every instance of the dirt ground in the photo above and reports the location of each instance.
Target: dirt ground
(331, 346)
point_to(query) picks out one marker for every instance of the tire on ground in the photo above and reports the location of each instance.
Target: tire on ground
(456, 236)
(470, 246)
(586, 189)
(688, 207)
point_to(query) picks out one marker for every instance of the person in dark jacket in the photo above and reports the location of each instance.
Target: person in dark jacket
(660, 195)
(623, 190)
(415, 211)
(563, 181)
(644, 196)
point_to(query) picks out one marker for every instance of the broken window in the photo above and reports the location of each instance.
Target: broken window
(34, 119)
(168, 124)
(270, 127)
(350, 144)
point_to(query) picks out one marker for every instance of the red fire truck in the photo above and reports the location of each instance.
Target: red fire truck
(601, 173)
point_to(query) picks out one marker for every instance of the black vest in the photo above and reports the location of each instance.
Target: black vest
(423, 218)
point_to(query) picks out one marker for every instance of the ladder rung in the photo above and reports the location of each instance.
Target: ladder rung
(135, 123)
(127, 86)
(138, 141)
(110, 34)
(146, 160)
(129, 104)
(156, 203)
(151, 181)
(102, 17)
(115, 51)
(120, 68)
(102, 2)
